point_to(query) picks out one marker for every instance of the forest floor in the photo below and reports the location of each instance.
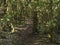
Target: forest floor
(24, 37)
(37, 39)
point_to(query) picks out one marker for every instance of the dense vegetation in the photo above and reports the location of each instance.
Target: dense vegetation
(42, 17)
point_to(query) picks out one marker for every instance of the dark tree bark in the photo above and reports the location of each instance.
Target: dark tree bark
(35, 22)
(5, 7)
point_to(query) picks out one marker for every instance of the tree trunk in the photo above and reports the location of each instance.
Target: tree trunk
(35, 22)
(5, 8)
